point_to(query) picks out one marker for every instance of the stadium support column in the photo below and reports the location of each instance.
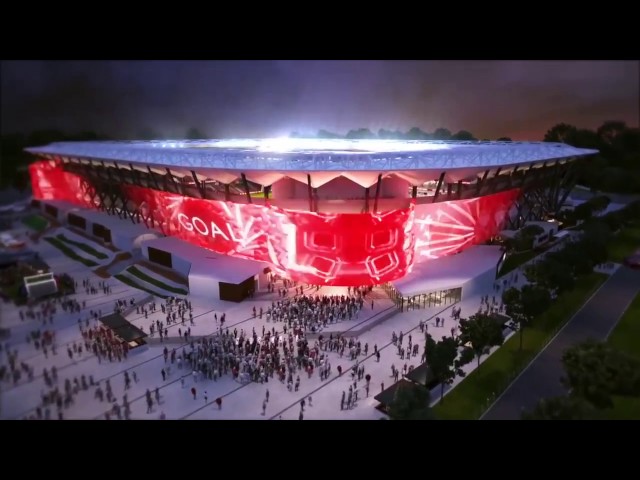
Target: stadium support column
(459, 189)
(480, 182)
(96, 185)
(568, 181)
(493, 183)
(153, 177)
(449, 190)
(366, 200)
(513, 174)
(437, 194)
(414, 192)
(125, 199)
(375, 201)
(246, 187)
(177, 188)
(227, 192)
(199, 185)
(310, 192)
(267, 192)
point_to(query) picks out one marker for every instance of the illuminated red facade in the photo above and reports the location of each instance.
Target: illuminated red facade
(316, 248)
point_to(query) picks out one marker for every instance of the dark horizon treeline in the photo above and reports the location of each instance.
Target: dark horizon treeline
(615, 169)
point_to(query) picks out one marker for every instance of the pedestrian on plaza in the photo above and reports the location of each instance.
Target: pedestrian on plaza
(193, 392)
(219, 403)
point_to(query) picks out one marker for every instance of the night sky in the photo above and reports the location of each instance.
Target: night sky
(519, 99)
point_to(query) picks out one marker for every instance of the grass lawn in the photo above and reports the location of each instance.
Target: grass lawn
(516, 259)
(153, 281)
(624, 243)
(70, 253)
(626, 337)
(83, 246)
(624, 408)
(131, 283)
(36, 222)
(474, 394)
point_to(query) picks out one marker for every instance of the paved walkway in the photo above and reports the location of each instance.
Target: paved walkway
(240, 401)
(595, 320)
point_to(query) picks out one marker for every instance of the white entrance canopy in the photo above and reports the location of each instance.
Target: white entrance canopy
(449, 272)
(206, 263)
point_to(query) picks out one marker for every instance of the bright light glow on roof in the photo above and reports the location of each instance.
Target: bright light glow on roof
(337, 145)
(315, 154)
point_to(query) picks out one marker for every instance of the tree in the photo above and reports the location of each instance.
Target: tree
(525, 305)
(562, 132)
(550, 274)
(599, 203)
(611, 129)
(442, 359)
(481, 332)
(195, 134)
(583, 212)
(442, 134)
(390, 135)
(526, 236)
(327, 134)
(614, 220)
(410, 402)
(463, 135)
(416, 134)
(361, 133)
(567, 407)
(595, 372)
(504, 139)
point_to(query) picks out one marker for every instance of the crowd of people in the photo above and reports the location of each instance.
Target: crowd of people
(314, 312)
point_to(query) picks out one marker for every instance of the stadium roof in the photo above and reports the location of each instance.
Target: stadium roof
(308, 155)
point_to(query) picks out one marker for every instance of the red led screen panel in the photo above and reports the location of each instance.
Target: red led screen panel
(318, 248)
(50, 182)
(446, 228)
(341, 249)
(329, 249)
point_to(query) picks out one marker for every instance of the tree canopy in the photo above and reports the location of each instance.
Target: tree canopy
(595, 372)
(442, 359)
(567, 407)
(479, 333)
(411, 402)
(526, 304)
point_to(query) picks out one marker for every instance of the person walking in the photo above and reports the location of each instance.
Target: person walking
(193, 392)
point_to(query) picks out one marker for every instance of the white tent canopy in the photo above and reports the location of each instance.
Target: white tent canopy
(206, 264)
(449, 272)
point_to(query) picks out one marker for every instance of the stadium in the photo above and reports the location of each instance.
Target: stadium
(331, 212)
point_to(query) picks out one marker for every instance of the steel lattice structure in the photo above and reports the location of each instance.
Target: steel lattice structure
(448, 196)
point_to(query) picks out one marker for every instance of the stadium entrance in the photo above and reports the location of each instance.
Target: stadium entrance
(423, 300)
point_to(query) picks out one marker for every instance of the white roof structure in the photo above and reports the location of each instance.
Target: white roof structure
(208, 264)
(306, 154)
(448, 272)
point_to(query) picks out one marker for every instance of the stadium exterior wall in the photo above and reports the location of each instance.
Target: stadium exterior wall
(316, 248)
